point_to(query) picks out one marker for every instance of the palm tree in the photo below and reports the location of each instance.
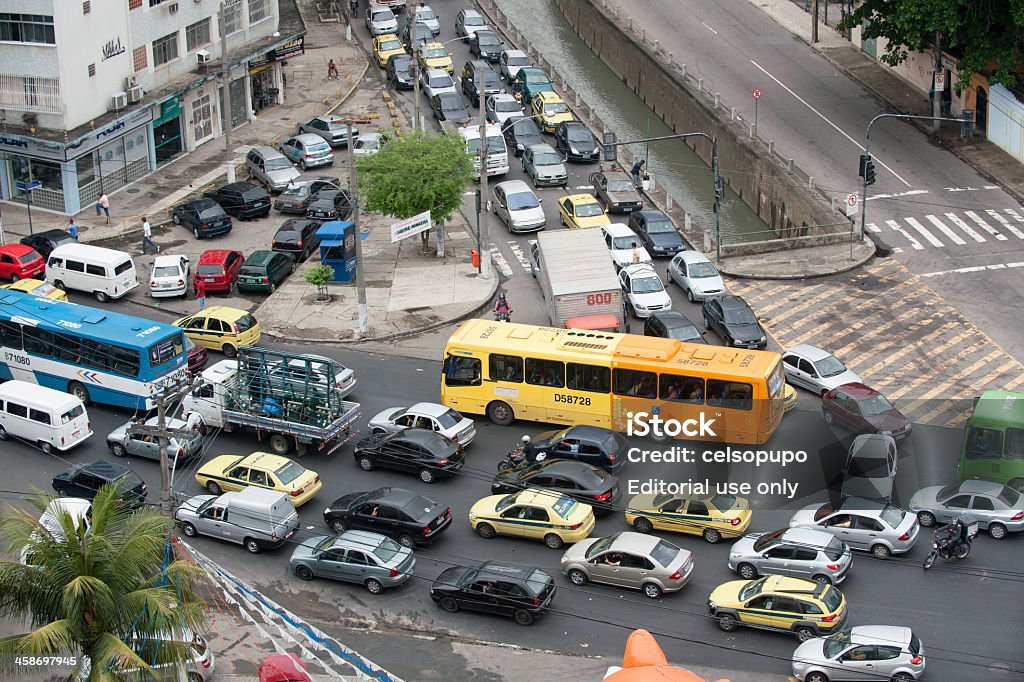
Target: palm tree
(88, 590)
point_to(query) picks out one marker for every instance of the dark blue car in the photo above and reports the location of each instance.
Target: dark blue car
(657, 232)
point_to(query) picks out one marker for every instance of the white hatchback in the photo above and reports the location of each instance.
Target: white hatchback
(697, 276)
(621, 240)
(517, 205)
(369, 143)
(644, 291)
(435, 81)
(501, 107)
(170, 276)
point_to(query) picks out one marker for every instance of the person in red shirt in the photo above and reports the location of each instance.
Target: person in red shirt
(201, 293)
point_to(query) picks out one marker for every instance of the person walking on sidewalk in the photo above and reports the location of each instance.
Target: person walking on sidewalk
(147, 236)
(201, 293)
(636, 171)
(103, 204)
(72, 228)
(332, 71)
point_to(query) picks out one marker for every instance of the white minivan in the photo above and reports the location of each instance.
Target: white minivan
(53, 420)
(104, 273)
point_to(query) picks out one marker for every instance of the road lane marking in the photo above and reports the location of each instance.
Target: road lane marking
(929, 237)
(945, 230)
(897, 194)
(517, 251)
(1006, 223)
(871, 227)
(499, 259)
(974, 268)
(826, 120)
(709, 28)
(985, 226)
(910, 238)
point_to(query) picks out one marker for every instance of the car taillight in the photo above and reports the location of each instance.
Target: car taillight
(443, 462)
(181, 282)
(611, 458)
(152, 284)
(1018, 516)
(736, 521)
(206, 662)
(536, 601)
(235, 328)
(245, 205)
(576, 526)
(676, 576)
(205, 225)
(144, 487)
(264, 280)
(310, 156)
(426, 530)
(295, 493)
(905, 536)
(832, 567)
(62, 440)
(604, 497)
(300, 244)
(829, 619)
(916, 660)
(317, 479)
(273, 535)
(393, 573)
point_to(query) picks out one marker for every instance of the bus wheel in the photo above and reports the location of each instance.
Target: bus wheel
(500, 413)
(658, 436)
(79, 391)
(279, 444)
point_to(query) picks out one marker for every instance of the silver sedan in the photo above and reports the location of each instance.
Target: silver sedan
(430, 416)
(632, 560)
(815, 369)
(797, 552)
(865, 652)
(998, 508)
(355, 556)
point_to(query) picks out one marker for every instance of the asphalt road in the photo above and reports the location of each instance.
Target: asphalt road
(957, 610)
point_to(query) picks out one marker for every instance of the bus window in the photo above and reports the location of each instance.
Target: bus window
(683, 389)
(67, 348)
(545, 372)
(505, 368)
(1014, 444)
(635, 383)
(166, 350)
(984, 443)
(38, 341)
(731, 394)
(97, 354)
(10, 334)
(460, 371)
(126, 361)
(587, 378)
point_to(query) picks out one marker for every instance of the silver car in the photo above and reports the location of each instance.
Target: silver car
(430, 416)
(544, 166)
(271, 167)
(696, 275)
(796, 552)
(864, 525)
(864, 652)
(999, 509)
(307, 150)
(333, 129)
(511, 61)
(870, 469)
(632, 560)
(356, 556)
(425, 15)
(815, 369)
(380, 21)
(179, 449)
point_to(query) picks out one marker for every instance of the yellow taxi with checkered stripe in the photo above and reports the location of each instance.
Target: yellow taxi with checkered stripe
(803, 607)
(714, 517)
(37, 287)
(262, 470)
(534, 514)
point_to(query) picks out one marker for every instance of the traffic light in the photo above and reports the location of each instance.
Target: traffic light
(609, 151)
(719, 191)
(867, 169)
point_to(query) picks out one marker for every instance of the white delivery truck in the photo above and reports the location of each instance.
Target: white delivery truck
(576, 275)
(497, 153)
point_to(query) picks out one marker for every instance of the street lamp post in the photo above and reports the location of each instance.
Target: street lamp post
(364, 320)
(485, 227)
(225, 96)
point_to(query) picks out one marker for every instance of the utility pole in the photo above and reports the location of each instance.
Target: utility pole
(414, 72)
(225, 100)
(814, 21)
(364, 321)
(485, 228)
(936, 93)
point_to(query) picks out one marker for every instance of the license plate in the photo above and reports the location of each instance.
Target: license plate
(289, 534)
(628, 209)
(208, 279)
(75, 433)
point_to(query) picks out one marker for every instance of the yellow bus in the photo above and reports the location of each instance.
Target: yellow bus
(570, 376)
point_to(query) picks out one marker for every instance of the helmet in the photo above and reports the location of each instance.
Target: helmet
(524, 440)
(501, 297)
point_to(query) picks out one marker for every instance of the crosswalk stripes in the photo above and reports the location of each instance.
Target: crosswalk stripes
(1012, 229)
(952, 229)
(985, 226)
(500, 261)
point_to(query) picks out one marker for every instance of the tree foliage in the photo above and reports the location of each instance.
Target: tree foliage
(414, 174)
(986, 35)
(86, 591)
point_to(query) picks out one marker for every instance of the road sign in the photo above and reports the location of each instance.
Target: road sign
(29, 186)
(757, 93)
(852, 200)
(410, 226)
(940, 82)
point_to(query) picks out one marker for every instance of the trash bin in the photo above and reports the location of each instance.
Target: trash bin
(475, 255)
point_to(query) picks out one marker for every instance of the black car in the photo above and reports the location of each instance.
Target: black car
(45, 242)
(242, 200)
(292, 199)
(576, 142)
(591, 444)
(297, 238)
(521, 132)
(405, 516)
(504, 589)
(204, 217)
(328, 204)
(485, 45)
(732, 319)
(448, 106)
(416, 33)
(673, 325)
(471, 81)
(657, 232)
(426, 453)
(583, 482)
(398, 71)
(85, 480)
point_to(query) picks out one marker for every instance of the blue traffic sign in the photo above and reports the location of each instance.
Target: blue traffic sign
(26, 186)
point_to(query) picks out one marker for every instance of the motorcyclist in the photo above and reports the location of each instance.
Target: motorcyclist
(502, 308)
(517, 89)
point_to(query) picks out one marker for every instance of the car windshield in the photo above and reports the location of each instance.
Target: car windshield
(526, 127)
(76, 411)
(518, 61)
(875, 405)
(387, 550)
(547, 159)
(506, 105)
(660, 227)
(752, 588)
(664, 553)
(289, 472)
(506, 502)
(28, 257)
(287, 235)
(829, 366)
(767, 539)
(580, 135)
(43, 289)
(621, 186)
(166, 271)
(601, 545)
(382, 15)
(564, 506)
(440, 81)
(425, 13)
(870, 467)
(702, 270)
(210, 270)
(834, 549)
(832, 599)
(647, 285)
(836, 644)
(552, 108)
(522, 201)
(723, 502)
(739, 316)
(212, 213)
(588, 210)
(337, 125)
(325, 544)
(487, 39)
(473, 21)
(296, 191)
(435, 53)
(386, 45)
(823, 511)
(278, 164)
(535, 77)
(892, 515)
(621, 243)
(451, 101)
(449, 418)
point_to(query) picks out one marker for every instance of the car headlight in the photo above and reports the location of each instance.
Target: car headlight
(482, 53)
(712, 605)
(886, 433)
(327, 511)
(639, 307)
(762, 339)
(472, 515)
(574, 150)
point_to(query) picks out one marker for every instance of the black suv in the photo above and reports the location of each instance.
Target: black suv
(576, 142)
(204, 217)
(503, 589)
(673, 325)
(328, 204)
(426, 453)
(521, 132)
(471, 81)
(297, 238)
(732, 319)
(398, 71)
(591, 444)
(45, 242)
(85, 480)
(408, 517)
(243, 200)
(657, 232)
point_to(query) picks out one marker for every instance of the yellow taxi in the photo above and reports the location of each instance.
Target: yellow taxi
(550, 110)
(260, 469)
(776, 602)
(37, 287)
(714, 517)
(386, 45)
(789, 398)
(221, 328)
(436, 56)
(582, 210)
(535, 514)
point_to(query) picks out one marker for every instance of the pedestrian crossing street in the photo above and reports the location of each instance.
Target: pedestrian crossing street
(894, 331)
(944, 230)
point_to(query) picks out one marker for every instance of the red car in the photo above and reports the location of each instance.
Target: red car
(197, 356)
(219, 268)
(862, 409)
(18, 261)
(283, 668)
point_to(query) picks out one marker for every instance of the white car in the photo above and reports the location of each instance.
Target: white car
(644, 291)
(430, 416)
(815, 369)
(369, 143)
(697, 276)
(380, 21)
(517, 205)
(435, 81)
(424, 14)
(500, 108)
(468, 22)
(170, 277)
(620, 240)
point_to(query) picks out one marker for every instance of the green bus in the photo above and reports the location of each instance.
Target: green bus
(993, 447)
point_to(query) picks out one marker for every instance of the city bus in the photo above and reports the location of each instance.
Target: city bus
(574, 377)
(993, 445)
(95, 355)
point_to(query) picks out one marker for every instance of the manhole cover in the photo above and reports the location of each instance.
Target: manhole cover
(133, 190)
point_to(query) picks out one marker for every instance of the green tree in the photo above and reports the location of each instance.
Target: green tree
(416, 173)
(86, 590)
(985, 35)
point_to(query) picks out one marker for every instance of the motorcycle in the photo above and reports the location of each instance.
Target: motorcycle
(502, 316)
(952, 541)
(517, 458)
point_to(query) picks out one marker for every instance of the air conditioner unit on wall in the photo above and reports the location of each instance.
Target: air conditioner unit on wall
(135, 94)
(119, 100)
(203, 56)
(172, 8)
(130, 82)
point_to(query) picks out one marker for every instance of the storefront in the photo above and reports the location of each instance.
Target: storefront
(167, 132)
(265, 74)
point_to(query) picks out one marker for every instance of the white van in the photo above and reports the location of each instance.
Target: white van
(256, 518)
(104, 273)
(497, 152)
(53, 420)
(80, 511)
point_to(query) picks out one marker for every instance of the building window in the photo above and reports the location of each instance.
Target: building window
(92, 70)
(134, 4)
(22, 93)
(139, 58)
(154, 3)
(232, 17)
(197, 35)
(257, 10)
(165, 49)
(27, 28)
(86, 7)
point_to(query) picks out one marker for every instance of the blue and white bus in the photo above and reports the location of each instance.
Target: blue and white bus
(94, 354)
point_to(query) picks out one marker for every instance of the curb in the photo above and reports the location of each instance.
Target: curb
(817, 275)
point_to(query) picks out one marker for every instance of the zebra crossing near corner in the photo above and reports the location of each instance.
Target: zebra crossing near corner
(499, 261)
(943, 230)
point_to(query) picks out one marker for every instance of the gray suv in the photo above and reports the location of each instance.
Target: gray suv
(796, 552)
(271, 167)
